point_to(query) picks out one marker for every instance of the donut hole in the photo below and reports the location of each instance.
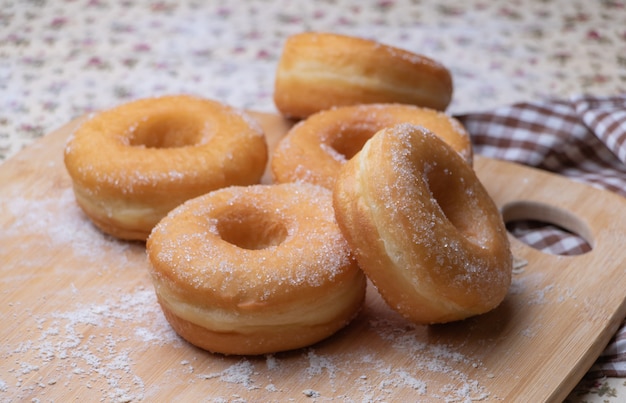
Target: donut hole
(451, 195)
(252, 230)
(547, 228)
(350, 139)
(167, 130)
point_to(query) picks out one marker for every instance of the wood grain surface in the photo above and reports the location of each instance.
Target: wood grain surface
(80, 320)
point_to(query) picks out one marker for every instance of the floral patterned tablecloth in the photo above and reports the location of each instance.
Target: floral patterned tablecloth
(60, 59)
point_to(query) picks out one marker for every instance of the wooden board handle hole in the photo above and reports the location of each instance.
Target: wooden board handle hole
(548, 228)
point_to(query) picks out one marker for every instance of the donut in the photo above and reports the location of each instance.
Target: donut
(315, 148)
(131, 164)
(422, 227)
(258, 269)
(317, 71)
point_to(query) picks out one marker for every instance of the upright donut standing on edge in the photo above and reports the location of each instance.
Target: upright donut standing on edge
(318, 71)
(132, 164)
(255, 269)
(422, 227)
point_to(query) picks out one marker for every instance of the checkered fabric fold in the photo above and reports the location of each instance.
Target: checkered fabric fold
(584, 139)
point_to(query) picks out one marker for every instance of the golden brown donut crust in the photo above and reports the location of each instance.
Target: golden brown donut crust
(256, 269)
(317, 71)
(315, 149)
(132, 164)
(263, 341)
(423, 227)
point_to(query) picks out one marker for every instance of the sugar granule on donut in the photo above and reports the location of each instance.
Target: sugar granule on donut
(254, 270)
(422, 227)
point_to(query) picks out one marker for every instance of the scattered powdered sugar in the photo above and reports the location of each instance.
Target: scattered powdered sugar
(394, 379)
(240, 373)
(540, 296)
(310, 393)
(320, 364)
(412, 382)
(536, 291)
(55, 222)
(82, 347)
(271, 362)
(427, 357)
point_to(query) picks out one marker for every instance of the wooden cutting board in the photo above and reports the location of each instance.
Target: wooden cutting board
(80, 320)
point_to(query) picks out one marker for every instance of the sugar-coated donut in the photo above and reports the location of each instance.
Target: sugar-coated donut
(132, 164)
(317, 71)
(315, 149)
(255, 269)
(422, 227)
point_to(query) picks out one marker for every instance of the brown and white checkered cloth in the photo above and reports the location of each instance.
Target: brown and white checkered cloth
(583, 138)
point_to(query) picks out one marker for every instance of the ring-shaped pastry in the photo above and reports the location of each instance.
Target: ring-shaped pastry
(315, 149)
(422, 227)
(255, 269)
(132, 164)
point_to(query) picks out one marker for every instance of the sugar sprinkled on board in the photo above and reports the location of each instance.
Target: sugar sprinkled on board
(318, 363)
(271, 362)
(240, 373)
(72, 232)
(65, 341)
(310, 393)
(426, 357)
